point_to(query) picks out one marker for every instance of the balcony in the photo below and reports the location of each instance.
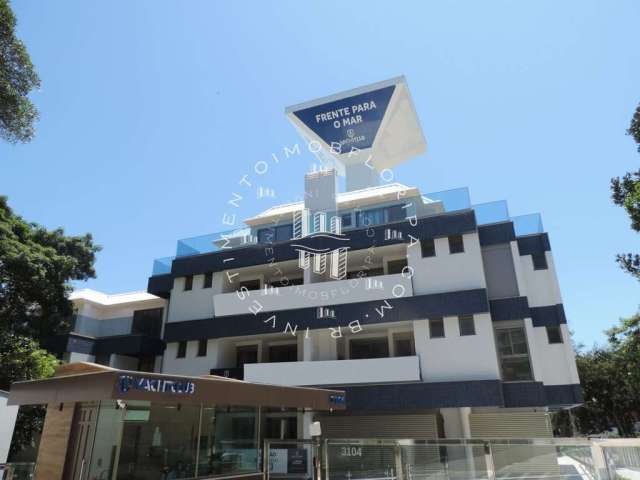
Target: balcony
(315, 294)
(335, 372)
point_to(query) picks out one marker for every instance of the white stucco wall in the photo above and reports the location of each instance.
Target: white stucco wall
(553, 364)
(191, 364)
(335, 372)
(7, 422)
(541, 286)
(455, 357)
(446, 272)
(194, 304)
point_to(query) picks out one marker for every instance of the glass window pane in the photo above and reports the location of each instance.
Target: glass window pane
(554, 335)
(428, 247)
(284, 232)
(396, 266)
(228, 441)
(266, 235)
(436, 328)
(456, 244)
(107, 440)
(516, 369)
(158, 440)
(283, 353)
(466, 324)
(369, 348)
(395, 213)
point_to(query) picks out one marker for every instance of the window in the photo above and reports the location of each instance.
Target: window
(436, 328)
(250, 284)
(284, 232)
(281, 428)
(428, 247)
(266, 235)
(395, 213)
(246, 354)
(369, 348)
(396, 266)
(403, 345)
(539, 261)
(208, 280)
(202, 347)
(278, 233)
(513, 354)
(283, 353)
(554, 334)
(346, 219)
(285, 282)
(147, 322)
(371, 217)
(182, 349)
(456, 244)
(147, 364)
(466, 324)
(372, 272)
(188, 283)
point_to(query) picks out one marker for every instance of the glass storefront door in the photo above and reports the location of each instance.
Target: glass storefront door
(147, 441)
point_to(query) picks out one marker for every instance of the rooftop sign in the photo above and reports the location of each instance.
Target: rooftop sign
(376, 124)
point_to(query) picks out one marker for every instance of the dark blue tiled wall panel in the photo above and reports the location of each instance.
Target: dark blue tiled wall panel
(509, 309)
(547, 316)
(563, 394)
(415, 396)
(524, 394)
(496, 233)
(534, 244)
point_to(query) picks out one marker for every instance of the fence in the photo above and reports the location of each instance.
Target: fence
(16, 471)
(469, 459)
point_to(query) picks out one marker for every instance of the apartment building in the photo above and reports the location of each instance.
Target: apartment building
(438, 317)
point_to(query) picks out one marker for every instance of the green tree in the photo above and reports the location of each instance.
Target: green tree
(610, 396)
(21, 358)
(17, 78)
(625, 192)
(36, 265)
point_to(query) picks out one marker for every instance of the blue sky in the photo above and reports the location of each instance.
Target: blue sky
(151, 111)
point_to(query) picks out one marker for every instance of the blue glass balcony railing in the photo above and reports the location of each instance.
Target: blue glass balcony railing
(213, 242)
(162, 266)
(452, 200)
(491, 212)
(527, 224)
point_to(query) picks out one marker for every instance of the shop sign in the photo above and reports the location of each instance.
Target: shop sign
(127, 383)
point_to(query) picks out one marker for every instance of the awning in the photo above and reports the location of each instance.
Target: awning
(85, 382)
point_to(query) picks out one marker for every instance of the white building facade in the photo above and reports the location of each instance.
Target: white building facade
(445, 318)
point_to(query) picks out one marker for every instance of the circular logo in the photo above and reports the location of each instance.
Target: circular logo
(327, 260)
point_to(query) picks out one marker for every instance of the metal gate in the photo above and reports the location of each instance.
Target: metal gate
(442, 459)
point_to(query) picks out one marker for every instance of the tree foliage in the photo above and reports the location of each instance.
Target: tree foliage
(634, 128)
(610, 380)
(625, 192)
(22, 359)
(17, 78)
(36, 265)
